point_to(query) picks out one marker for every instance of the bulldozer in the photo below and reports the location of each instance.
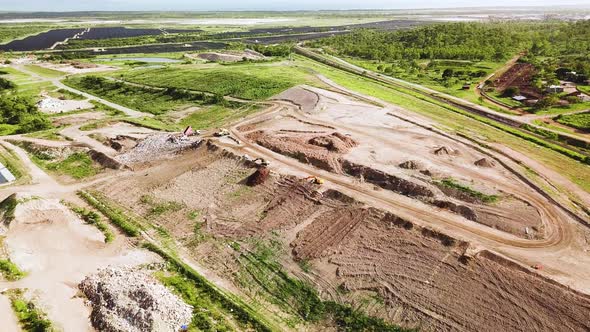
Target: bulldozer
(315, 180)
(222, 132)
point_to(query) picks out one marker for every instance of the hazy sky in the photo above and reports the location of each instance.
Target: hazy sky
(75, 5)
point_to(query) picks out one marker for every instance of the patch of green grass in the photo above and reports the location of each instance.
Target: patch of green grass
(155, 123)
(138, 98)
(49, 134)
(240, 192)
(261, 264)
(207, 316)
(78, 165)
(44, 72)
(92, 218)
(13, 163)
(194, 215)
(216, 116)
(159, 208)
(98, 106)
(243, 313)
(115, 215)
(247, 81)
(67, 94)
(451, 183)
(580, 121)
(10, 271)
(29, 315)
(20, 31)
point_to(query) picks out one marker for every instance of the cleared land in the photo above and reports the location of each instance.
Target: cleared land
(252, 82)
(323, 209)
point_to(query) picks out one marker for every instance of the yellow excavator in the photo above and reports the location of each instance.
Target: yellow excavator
(315, 180)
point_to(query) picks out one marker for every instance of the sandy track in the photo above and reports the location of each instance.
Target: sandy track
(557, 235)
(557, 251)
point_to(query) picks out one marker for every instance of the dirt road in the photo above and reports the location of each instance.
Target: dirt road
(56, 81)
(557, 251)
(510, 120)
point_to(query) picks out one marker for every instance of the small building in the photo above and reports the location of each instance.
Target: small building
(5, 174)
(520, 98)
(554, 89)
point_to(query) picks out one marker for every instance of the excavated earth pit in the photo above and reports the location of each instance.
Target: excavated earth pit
(426, 279)
(401, 157)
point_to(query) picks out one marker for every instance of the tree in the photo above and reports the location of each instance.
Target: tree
(511, 91)
(6, 84)
(547, 102)
(447, 73)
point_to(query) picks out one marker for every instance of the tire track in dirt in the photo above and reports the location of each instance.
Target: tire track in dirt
(558, 237)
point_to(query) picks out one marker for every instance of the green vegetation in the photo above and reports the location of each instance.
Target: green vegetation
(20, 115)
(11, 32)
(67, 94)
(7, 208)
(216, 116)
(92, 218)
(144, 99)
(580, 120)
(30, 317)
(457, 120)
(115, 215)
(10, 271)
(209, 294)
(49, 134)
(246, 81)
(451, 183)
(6, 84)
(139, 40)
(157, 209)
(78, 165)
(13, 163)
(261, 267)
(207, 315)
(100, 107)
(44, 72)
(464, 41)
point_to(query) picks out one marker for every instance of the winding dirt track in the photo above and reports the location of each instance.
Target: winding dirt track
(558, 229)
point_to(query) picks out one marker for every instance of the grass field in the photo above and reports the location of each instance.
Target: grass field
(579, 121)
(246, 81)
(11, 32)
(44, 72)
(216, 116)
(575, 171)
(143, 100)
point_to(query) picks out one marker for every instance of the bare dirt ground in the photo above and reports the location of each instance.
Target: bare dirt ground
(76, 67)
(229, 56)
(75, 119)
(375, 146)
(57, 250)
(54, 105)
(382, 233)
(421, 274)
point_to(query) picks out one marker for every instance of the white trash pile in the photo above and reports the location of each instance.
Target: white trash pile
(155, 147)
(55, 105)
(130, 300)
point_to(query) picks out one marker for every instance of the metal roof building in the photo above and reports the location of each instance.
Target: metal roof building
(5, 174)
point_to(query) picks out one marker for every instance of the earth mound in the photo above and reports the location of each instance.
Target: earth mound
(258, 177)
(443, 150)
(129, 300)
(335, 142)
(411, 164)
(485, 162)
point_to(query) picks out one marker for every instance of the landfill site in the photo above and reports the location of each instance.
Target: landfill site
(371, 205)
